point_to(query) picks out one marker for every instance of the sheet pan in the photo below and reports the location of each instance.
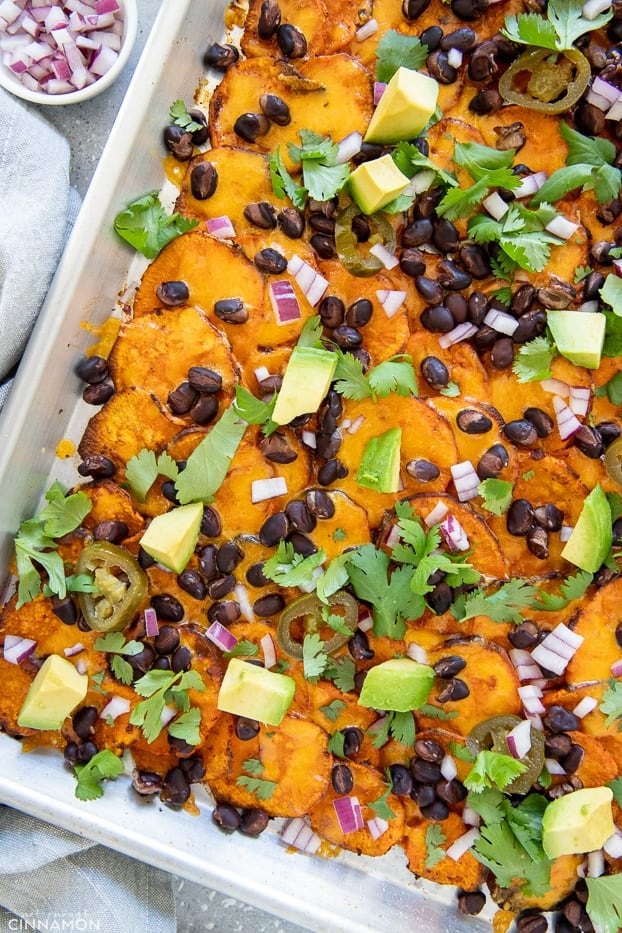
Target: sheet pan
(347, 893)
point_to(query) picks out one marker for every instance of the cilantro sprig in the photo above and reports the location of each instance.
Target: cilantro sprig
(559, 30)
(434, 839)
(496, 495)
(143, 469)
(611, 703)
(521, 236)
(208, 464)
(180, 117)
(114, 643)
(160, 688)
(104, 765)
(289, 568)
(146, 226)
(395, 50)
(381, 806)
(589, 166)
(396, 374)
(533, 361)
(322, 177)
(262, 788)
(493, 769)
(501, 605)
(36, 541)
(489, 168)
(604, 902)
(399, 725)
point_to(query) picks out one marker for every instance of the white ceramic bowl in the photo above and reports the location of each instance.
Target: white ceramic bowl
(10, 82)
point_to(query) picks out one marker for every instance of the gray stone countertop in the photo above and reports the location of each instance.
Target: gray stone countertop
(86, 126)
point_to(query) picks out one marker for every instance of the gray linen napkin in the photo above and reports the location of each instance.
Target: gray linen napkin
(50, 878)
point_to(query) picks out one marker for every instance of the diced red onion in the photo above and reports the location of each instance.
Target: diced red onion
(355, 425)
(613, 845)
(391, 300)
(585, 706)
(221, 637)
(535, 720)
(556, 387)
(393, 536)
(388, 259)
(530, 698)
(106, 6)
(115, 707)
(597, 100)
(526, 668)
(220, 227)
(261, 373)
(103, 61)
(348, 147)
(9, 11)
(270, 488)
(454, 57)
(530, 184)
(519, 656)
(465, 480)
(377, 827)
(454, 534)
(379, 89)
(73, 649)
(579, 400)
(437, 514)
(82, 665)
(593, 8)
(151, 623)
(565, 532)
(365, 622)
(615, 111)
(500, 321)
(349, 814)
(567, 422)
(616, 668)
(591, 306)
(470, 817)
(462, 845)
(312, 284)
(557, 649)
(284, 302)
(495, 205)
(553, 766)
(168, 713)
(457, 334)
(366, 30)
(519, 739)
(417, 652)
(309, 438)
(420, 182)
(269, 650)
(609, 91)
(595, 864)
(561, 227)
(299, 834)
(17, 649)
(242, 598)
(448, 767)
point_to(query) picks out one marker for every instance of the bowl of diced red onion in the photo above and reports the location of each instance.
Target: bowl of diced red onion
(64, 51)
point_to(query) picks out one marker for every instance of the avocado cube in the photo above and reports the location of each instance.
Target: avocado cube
(579, 335)
(590, 540)
(54, 693)
(408, 102)
(578, 822)
(255, 692)
(306, 381)
(398, 684)
(171, 537)
(375, 184)
(379, 467)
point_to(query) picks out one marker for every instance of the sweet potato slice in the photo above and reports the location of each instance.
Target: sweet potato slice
(597, 621)
(595, 723)
(110, 502)
(472, 445)
(294, 756)
(130, 420)
(369, 786)
(330, 95)
(598, 766)
(467, 872)
(490, 677)
(461, 360)
(243, 178)
(309, 16)
(156, 350)
(563, 881)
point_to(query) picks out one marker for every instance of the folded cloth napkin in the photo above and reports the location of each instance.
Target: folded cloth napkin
(49, 878)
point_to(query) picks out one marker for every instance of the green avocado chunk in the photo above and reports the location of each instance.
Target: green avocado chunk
(306, 381)
(54, 693)
(592, 536)
(375, 184)
(408, 102)
(578, 822)
(172, 536)
(398, 685)
(579, 335)
(379, 468)
(255, 692)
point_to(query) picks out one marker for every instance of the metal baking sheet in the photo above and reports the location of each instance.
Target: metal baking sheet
(347, 893)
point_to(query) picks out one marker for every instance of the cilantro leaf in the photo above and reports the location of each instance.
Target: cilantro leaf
(562, 181)
(616, 787)
(564, 24)
(604, 902)
(243, 649)
(593, 150)
(282, 182)
(341, 671)
(612, 389)
(615, 504)
(311, 333)
(533, 360)
(611, 703)
(493, 769)
(572, 588)
(497, 495)
(102, 766)
(400, 725)
(261, 788)
(434, 839)
(613, 334)
(480, 161)
(411, 161)
(531, 29)
(180, 117)
(253, 766)
(208, 464)
(289, 568)
(187, 726)
(251, 409)
(381, 807)
(396, 50)
(391, 598)
(333, 710)
(435, 712)
(314, 657)
(146, 226)
(501, 605)
(322, 178)
(451, 390)
(143, 469)
(337, 744)
(520, 234)
(489, 803)
(349, 379)
(396, 374)
(334, 577)
(499, 849)
(63, 513)
(159, 687)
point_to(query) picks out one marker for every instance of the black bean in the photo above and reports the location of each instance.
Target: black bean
(320, 223)
(437, 810)
(485, 338)
(203, 180)
(542, 422)
(254, 822)
(557, 746)
(201, 135)
(65, 609)
(179, 142)
(486, 101)
(319, 503)
(220, 56)
(477, 307)
(291, 41)
(359, 313)
(261, 214)
(589, 119)
(348, 338)
(359, 647)
(434, 372)
(270, 261)
(341, 779)
(483, 63)
(98, 394)
(111, 531)
(275, 109)
(463, 38)
(557, 294)
(439, 68)
(169, 491)
(300, 516)
(425, 771)
(246, 729)
(228, 557)
(86, 751)
(207, 561)
(180, 746)
(204, 380)
(510, 137)
(454, 689)
(249, 126)
(445, 236)
(601, 252)
(492, 462)
(361, 228)
(532, 923)
(143, 660)
(589, 442)
(576, 915)
(520, 517)
(530, 324)
(412, 9)
(181, 659)
(221, 586)
(84, 721)
(571, 762)
(417, 233)
(292, 222)
(181, 399)
(269, 19)
(97, 466)
(475, 260)
(525, 635)
(331, 471)
(255, 576)
(592, 285)
(538, 542)
(437, 319)
(324, 245)
(367, 152)
(205, 409)
(609, 431)
(210, 523)
(472, 421)
(276, 449)
(269, 605)
(558, 719)
(226, 817)
(423, 794)
(452, 791)
(352, 740)
(332, 311)
(193, 768)
(231, 310)
(145, 560)
(192, 583)
(471, 902)
(93, 369)
(412, 262)
(167, 640)
(429, 750)
(429, 289)
(146, 783)
(161, 664)
(549, 516)
(401, 779)
(521, 433)
(458, 306)
(167, 607)
(523, 299)
(176, 789)
(422, 470)
(274, 529)
(440, 599)
(502, 353)
(451, 276)
(449, 666)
